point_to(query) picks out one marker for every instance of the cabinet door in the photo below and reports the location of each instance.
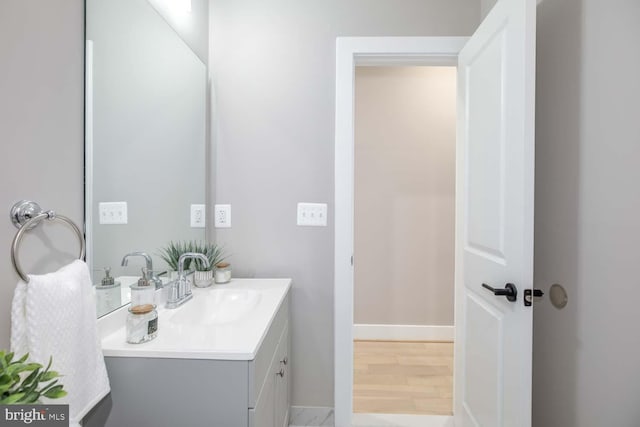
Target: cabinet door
(263, 414)
(282, 385)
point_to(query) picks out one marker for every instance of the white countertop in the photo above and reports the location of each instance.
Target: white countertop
(206, 326)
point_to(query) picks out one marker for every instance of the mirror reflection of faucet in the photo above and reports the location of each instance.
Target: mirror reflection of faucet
(180, 289)
(154, 279)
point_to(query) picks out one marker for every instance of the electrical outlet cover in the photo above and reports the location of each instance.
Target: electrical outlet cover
(198, 216)
(222, 216)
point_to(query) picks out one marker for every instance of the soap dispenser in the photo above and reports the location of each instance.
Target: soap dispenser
(108, 295)
(144, 291)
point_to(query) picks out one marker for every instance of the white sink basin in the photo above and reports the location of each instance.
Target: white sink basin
(216, 307)
(224, 322)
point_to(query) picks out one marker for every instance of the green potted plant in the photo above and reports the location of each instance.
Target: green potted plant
(204, 275)
(25, 383)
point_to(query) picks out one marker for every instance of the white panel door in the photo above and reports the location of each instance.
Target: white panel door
(494, 219)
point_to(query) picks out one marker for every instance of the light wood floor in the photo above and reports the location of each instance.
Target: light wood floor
(397, 377)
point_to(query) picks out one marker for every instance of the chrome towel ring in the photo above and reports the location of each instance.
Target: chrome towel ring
(26, 215)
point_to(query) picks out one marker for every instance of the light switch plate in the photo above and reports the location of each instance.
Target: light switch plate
(113, 213)
(222, 216)
(198, 216)
(312, 214)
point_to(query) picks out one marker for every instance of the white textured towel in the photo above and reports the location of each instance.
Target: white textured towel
(55, 315)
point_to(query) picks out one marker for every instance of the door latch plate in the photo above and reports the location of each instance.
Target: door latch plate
(529, 294)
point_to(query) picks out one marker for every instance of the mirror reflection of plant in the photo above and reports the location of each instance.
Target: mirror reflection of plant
(18, 386)
(171, 254)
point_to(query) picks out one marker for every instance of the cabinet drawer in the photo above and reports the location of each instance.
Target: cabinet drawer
(263, 415)
(270, 408)
(282, 382)
(259, 367)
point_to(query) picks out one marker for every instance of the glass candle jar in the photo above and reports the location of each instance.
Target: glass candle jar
(142, 295)
(222, 273)
(142, 323)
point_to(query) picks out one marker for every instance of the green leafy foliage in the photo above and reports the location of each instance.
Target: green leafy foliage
(24, 383)
(171, 254)
(213, 253)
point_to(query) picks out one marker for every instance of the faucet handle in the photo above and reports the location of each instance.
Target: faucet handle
(155, 278)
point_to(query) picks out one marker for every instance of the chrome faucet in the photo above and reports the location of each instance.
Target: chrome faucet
(180, 289)
(149, 264)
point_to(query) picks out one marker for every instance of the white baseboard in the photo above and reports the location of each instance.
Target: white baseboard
(403, 332)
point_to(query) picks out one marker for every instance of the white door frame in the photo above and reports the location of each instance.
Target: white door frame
(352, 51)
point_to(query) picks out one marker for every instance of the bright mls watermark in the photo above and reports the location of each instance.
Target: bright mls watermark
(34, 415)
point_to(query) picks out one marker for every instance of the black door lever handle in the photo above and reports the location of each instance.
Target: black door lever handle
(509, 291)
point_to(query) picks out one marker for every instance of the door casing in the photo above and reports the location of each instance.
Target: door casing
(351, 52)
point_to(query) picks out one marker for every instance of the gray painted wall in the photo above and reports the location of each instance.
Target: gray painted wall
(273, 68)
(405, 136)
(587, 202)
(41, 131)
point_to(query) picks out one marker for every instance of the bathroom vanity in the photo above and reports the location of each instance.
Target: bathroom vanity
(220, 360)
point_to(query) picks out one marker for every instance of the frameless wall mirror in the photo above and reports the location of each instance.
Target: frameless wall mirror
(145, 140)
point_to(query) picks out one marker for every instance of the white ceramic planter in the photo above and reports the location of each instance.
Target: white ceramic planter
(203, 279)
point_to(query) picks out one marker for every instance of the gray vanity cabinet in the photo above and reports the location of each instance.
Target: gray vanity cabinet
(269, 376)
(272, 406)
(163, 392)
(282, 383)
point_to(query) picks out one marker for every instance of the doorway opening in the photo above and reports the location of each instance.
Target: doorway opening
(494, 211)
(353, 52)
(404, 221)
